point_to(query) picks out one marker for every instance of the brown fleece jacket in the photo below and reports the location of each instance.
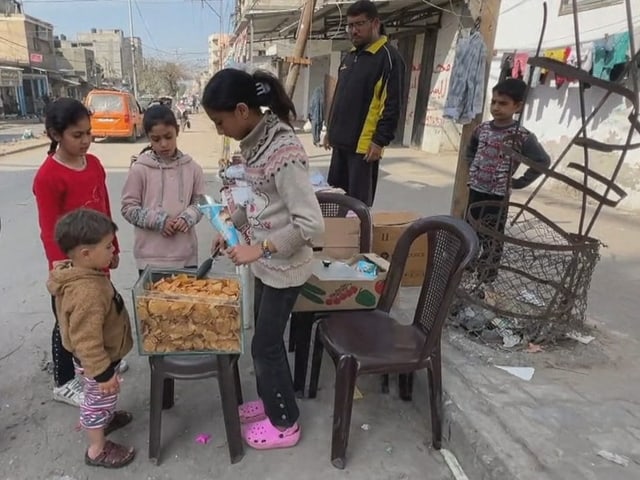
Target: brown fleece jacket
(93, 319)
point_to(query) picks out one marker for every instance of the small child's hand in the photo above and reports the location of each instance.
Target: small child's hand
(110, 387)
(169, 229)
(180, 225)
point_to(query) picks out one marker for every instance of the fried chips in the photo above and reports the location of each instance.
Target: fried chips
(182, 314)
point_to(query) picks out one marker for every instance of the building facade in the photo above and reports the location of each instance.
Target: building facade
(27, 60)
(131, 51)
(107, 47)
(218, 44)
(77, 67)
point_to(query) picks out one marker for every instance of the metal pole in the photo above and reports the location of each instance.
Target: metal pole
(134, 78)
(251, 40)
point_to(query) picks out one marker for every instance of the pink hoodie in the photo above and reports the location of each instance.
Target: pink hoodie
(155, 191)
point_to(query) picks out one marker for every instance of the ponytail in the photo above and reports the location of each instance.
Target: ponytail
(271, 94)
(231, 86)
(52, 147)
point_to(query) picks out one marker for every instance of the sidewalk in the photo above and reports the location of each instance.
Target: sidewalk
(582, 399)
(12, 131)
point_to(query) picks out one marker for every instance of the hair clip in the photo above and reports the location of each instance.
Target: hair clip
(262, 88)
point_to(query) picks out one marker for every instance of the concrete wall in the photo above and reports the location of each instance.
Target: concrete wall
(439, 133)
(107, 46)
(554, 113)
(13, 48)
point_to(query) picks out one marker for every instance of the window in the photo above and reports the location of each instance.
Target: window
(566, 6)
(106, 103)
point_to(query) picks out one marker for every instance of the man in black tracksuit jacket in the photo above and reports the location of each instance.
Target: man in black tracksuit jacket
(366, 105)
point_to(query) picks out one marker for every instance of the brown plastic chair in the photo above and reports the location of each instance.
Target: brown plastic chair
(166, 369)
(333, 205)
(373, 342)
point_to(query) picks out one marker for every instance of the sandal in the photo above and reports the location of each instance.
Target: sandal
(120, 419)
(112, 456)
(251, 412)
(263, 435)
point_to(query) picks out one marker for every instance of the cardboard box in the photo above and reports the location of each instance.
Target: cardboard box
(325, 294)
(341, 238)
(387, 229)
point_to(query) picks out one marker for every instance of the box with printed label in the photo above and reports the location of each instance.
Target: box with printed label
(338, 285)
(387, 229)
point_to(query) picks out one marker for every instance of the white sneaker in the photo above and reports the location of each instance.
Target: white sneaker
(123, 366)
(69, 393)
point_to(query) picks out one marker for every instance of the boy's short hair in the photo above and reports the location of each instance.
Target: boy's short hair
(363, 7)
(82, 227)
(513, 88)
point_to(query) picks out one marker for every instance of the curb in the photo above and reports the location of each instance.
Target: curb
(470, 431)
(25, 148)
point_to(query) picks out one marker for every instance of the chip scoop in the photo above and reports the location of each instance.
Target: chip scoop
(207, 265)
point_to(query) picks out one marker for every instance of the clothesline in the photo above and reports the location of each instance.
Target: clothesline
(532, 50)
(604, 58)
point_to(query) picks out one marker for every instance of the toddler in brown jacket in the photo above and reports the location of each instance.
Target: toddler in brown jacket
(95, 328)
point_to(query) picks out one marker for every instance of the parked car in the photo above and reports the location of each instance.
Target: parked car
(114, 114)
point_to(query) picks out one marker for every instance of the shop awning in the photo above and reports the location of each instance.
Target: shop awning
(398, 16)
(269, 23)
(329, 21)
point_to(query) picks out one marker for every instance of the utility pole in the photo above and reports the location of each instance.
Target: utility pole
(134, 77)
(306, 19)
(489, 12)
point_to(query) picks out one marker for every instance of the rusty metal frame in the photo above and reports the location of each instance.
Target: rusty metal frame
(580, 138)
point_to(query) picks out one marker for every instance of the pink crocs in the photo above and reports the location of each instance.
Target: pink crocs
(251, 412)
(263, 435)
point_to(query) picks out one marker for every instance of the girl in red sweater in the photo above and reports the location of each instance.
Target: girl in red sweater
(70, 178)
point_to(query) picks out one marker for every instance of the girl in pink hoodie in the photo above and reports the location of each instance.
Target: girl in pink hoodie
(160, 197)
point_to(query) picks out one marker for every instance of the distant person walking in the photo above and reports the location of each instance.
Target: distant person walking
(316, 114)
(366, 106)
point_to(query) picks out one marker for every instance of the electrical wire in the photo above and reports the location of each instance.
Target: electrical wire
(144, 23)
(446, 10)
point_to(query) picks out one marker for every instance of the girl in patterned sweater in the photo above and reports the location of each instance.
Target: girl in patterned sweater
(284, 220)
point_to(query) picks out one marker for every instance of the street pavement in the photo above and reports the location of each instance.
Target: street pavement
(390, 439)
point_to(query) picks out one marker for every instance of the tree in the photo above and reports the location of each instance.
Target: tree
(159, 77)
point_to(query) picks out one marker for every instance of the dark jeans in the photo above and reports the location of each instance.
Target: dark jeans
(495, 218)
(357, 177)
(63, 370)
(272, 310)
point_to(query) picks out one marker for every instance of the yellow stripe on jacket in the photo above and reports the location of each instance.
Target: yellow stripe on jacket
(376, 107)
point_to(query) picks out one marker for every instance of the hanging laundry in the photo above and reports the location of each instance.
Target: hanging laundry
(535, 77)
(519, 69)
(586, 57)
(559, 54)
(506, 65)
(608, 52)
(466, 87)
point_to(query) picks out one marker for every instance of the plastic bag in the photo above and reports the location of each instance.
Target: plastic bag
(221, 221)
(234, 172)
(366, 267)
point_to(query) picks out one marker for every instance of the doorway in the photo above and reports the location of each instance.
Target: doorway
(424, 86)
(406, 46)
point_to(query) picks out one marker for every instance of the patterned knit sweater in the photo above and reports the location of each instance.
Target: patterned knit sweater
(284, 209)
